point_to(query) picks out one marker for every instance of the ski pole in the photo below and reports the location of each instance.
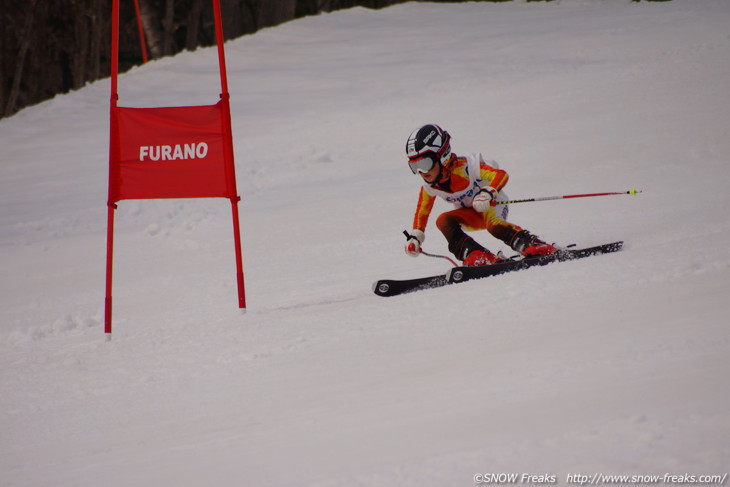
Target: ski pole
(440, 257)
(408, 235)
(567, 196)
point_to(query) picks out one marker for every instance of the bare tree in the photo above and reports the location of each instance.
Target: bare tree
(95, 39)
(25, 39)
(52, 46)
(168, 28)
(274, 13)
(152, 28)
(193, 24)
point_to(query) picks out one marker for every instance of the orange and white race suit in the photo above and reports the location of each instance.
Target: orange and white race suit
(461, 179)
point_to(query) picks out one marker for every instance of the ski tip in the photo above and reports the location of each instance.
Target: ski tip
(381, 288)
(634, 191)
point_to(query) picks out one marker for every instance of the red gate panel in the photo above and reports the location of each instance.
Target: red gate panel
(169, 152)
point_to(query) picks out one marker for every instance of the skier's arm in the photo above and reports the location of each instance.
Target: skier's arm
(496, 178)
(423, 210)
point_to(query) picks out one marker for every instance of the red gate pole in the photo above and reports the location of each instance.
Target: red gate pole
(140, 30)
(231, 174)
(113, 145)
(109, 259)
(239, 258)
(221, 52)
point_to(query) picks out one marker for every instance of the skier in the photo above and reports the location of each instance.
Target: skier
(473, 186)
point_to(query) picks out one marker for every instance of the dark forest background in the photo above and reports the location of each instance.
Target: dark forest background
(54, 46)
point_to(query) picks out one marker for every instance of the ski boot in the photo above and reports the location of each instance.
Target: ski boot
(480, 257)
(530, 245)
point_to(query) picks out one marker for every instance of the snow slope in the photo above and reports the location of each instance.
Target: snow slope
(613, 365)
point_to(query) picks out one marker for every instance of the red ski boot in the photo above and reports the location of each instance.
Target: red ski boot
(538, 248)
(530, 245)
(479, 257)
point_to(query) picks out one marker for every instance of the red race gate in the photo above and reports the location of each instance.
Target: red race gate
(170, 152)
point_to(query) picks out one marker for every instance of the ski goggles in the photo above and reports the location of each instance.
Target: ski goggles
(423, 163)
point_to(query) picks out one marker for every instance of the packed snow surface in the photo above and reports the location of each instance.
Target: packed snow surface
(616, 364)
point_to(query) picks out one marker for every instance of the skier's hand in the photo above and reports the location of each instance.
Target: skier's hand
(484, 199)
(413, 244)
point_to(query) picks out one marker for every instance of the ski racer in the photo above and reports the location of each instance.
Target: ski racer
(473, 187)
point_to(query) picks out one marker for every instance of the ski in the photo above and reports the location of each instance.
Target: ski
(393, 287)
(463, 274)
